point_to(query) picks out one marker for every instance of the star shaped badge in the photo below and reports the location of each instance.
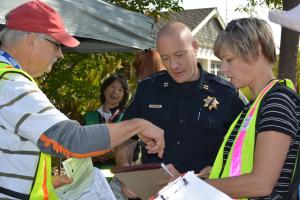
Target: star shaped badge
(211, 102)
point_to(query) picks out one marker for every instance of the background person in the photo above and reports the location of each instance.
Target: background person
(146, 63)
(114, 94)
(31, 127)
(193, 107)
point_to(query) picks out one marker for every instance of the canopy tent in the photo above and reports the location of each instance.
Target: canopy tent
(289, 19)
(98, 25)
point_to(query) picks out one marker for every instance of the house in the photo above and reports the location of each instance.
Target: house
(205, 24)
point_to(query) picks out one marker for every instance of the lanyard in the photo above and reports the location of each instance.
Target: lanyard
(113, 116)
(12, 61)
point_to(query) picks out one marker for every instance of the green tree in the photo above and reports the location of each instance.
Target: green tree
(275, 70)
(289, 38)
(73, 84)
(151, 8)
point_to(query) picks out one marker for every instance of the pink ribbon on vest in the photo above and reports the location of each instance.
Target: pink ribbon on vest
(235, 167)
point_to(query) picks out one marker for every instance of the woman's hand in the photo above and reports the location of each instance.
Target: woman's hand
(205, 172)
(173, 171)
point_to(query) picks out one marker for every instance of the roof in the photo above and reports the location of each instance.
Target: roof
(192, 18)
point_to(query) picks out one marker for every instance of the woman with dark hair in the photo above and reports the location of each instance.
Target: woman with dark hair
(114, 94)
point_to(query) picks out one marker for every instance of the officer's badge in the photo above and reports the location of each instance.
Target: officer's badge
(211, 102)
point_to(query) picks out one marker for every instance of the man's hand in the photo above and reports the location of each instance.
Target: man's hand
(150, 134)
(58, 181)
(153, 137)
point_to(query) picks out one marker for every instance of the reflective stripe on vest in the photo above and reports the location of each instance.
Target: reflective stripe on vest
(42, 187)
(241, 155)
(250, 118)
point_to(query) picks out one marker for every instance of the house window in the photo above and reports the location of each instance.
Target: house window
(215, 68)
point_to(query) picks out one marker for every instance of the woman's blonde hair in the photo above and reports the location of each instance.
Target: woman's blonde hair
(245, 38)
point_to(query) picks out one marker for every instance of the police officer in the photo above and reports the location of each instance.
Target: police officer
(193, 107)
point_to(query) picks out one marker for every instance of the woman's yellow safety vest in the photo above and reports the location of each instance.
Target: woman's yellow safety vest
(241, 155)
(42, 187)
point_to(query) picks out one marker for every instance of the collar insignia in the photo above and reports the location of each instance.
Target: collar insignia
(166, 84)
(211, 102)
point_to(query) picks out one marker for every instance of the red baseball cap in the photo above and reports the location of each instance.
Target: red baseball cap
(36, 16)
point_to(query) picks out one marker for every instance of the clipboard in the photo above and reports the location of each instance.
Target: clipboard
(142, 179)
(189, 187)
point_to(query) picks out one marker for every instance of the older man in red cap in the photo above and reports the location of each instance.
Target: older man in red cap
(31, 128)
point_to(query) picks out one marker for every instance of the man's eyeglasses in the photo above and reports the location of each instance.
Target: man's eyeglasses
(57, 45)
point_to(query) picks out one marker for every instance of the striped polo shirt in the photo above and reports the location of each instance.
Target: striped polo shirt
(280, 113)
(25, 114)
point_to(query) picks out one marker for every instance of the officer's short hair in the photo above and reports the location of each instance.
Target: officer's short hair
(242, 37)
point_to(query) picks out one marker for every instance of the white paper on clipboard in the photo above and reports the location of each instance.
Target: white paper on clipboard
(190, 187)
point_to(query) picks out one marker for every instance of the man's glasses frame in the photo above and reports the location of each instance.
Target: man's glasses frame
(57, 45)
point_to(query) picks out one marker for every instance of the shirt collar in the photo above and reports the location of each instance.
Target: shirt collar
(5, 58)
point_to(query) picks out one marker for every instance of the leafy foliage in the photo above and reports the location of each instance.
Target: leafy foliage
(73, 84)
(251, 5)
(275, 71)
(151, 7)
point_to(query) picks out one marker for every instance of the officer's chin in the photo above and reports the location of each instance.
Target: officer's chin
(179, 79)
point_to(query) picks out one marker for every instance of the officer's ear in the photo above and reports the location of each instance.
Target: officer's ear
(195, 46)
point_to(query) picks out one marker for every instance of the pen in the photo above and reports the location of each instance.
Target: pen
(199, 114)
(166, 169)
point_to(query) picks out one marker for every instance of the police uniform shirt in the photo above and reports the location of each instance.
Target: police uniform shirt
(193, 129)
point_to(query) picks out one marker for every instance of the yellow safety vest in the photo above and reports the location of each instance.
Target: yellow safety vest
(42, 187)
(241, 155)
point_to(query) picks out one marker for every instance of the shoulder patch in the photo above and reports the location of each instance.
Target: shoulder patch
(154, 76)
(226, 83)
(220, 81)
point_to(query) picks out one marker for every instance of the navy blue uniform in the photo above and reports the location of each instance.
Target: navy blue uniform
(193, 131)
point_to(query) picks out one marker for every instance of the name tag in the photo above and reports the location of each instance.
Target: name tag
(155, 106)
